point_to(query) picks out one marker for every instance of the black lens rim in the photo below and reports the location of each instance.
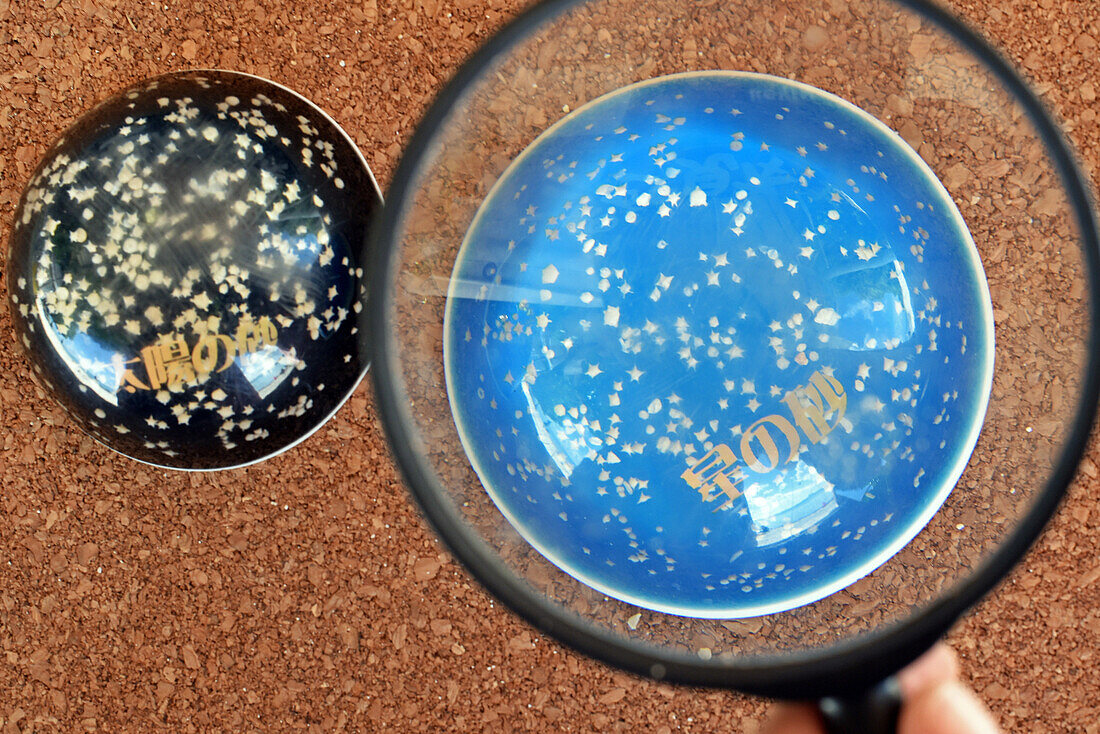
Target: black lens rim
(842, 670)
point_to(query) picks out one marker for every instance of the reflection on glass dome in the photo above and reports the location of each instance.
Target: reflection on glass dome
(267, 368)
(94, 367)
(789, 503)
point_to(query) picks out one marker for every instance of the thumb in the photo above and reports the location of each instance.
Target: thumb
(947, 708)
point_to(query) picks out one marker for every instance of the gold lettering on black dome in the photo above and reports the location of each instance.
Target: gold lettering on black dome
(172, 364)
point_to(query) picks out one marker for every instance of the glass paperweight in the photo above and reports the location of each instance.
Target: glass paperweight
(718, 344)
(186, 267)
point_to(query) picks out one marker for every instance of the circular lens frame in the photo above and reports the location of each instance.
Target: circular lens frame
(845, 668)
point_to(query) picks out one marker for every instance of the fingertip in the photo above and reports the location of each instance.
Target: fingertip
(947, 708)
(936, 666)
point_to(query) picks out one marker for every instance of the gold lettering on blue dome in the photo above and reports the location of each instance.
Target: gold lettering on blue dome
(811, 404)
(816, 409)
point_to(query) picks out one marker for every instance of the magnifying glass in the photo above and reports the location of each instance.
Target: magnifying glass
(738, 345)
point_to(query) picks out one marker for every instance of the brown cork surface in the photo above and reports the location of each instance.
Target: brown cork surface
(304, 593)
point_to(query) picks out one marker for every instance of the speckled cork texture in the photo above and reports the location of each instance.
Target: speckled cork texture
(304, 592)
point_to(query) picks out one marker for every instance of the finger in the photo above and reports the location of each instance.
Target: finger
(947, 708)
(793, 719)
(936, 666)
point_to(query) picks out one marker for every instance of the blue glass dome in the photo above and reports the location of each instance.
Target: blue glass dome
(718, 344)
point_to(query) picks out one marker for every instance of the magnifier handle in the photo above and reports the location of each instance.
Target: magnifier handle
(873, 712)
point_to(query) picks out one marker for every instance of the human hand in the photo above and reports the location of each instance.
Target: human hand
(935, 702)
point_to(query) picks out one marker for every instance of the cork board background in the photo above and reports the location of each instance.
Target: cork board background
(305, 593)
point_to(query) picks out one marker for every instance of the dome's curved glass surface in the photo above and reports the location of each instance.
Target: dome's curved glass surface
(718, 344)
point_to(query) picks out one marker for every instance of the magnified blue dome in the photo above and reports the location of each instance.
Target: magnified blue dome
(718, 344)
